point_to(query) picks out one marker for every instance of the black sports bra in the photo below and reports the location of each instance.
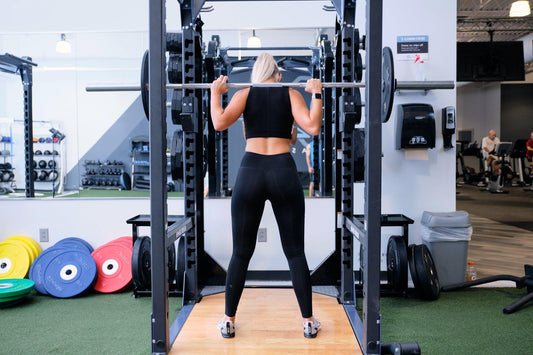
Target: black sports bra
(268, 113)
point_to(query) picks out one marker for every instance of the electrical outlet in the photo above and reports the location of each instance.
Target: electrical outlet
(262, 235)
(43, 235)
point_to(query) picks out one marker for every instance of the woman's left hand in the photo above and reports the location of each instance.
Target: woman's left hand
(313, 86)
(219, 87)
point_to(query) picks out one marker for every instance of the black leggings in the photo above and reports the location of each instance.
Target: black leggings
(274, 178)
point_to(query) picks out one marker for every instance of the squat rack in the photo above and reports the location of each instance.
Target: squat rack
(367, 328)
(24, 66)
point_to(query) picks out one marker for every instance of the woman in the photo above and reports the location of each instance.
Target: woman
(267, 172)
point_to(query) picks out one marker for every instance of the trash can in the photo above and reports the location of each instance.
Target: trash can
(446, 234)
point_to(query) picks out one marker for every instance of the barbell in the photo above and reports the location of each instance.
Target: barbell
(388, 85)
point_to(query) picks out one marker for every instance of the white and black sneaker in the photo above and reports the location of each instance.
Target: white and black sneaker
(311, 328)
(227, 328)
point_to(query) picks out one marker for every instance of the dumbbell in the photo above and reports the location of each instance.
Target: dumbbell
(43, 175)
(34, 175)
(34, 164)
(37, 152)
(53, 175)
(55, 152)
(42, 164)
(8, 176)
(47, 152)
(52, 164)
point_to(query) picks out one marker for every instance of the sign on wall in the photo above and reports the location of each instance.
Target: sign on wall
(412, 47)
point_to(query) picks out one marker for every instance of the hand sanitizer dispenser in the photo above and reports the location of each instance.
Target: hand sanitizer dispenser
(448, 126)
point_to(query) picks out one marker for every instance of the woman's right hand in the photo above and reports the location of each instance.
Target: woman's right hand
(313, 86)
(219, 87)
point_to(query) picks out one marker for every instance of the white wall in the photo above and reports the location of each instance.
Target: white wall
(101, 220)
(413, 186)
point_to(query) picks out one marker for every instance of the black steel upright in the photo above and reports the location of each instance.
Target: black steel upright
(345, 193)
(326, 186)
(26, 74)
(24, 66)
(372, 242)
(193, 138)
(158, 163)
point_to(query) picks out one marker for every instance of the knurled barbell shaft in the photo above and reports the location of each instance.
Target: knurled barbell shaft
(400, 85)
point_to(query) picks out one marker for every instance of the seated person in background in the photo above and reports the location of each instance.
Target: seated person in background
(529, 152)
(488, 146)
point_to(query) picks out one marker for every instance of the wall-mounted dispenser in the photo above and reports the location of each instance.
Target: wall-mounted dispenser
(415, 126)
(448, 126)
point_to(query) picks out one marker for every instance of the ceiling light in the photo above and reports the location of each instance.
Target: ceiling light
(520, 9)
(62, 46)
(254, 41)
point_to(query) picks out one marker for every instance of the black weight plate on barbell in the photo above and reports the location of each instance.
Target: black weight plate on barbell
(412, 268)
(356, 41)
(171, 249)
(174, 42)
(141, 264)
(180, 263)
(175, 106)
(427, 273)
(174, 69)
(388, 84)
(358, 67)
(176, 155)
(144, 84)
(397, 263)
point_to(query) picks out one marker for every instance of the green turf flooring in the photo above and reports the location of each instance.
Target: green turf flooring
(463, 322)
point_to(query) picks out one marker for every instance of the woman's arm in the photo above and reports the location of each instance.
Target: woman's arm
(309, 120)
(223, 118)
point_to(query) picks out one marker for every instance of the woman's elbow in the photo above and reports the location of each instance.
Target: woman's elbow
(218, 126)
(314, 131)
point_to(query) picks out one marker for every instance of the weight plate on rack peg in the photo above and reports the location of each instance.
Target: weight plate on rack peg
(388, 84)
(141, 263)
(427, 273)
(397, 263)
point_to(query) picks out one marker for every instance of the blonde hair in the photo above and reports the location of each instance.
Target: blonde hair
(265, 67)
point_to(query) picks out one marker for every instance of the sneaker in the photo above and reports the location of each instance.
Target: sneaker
(311, 328)
(227, 328)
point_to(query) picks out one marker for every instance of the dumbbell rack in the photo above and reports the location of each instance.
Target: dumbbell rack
(50, 159)
(7, 176)
(140, 164)
(102, 175)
